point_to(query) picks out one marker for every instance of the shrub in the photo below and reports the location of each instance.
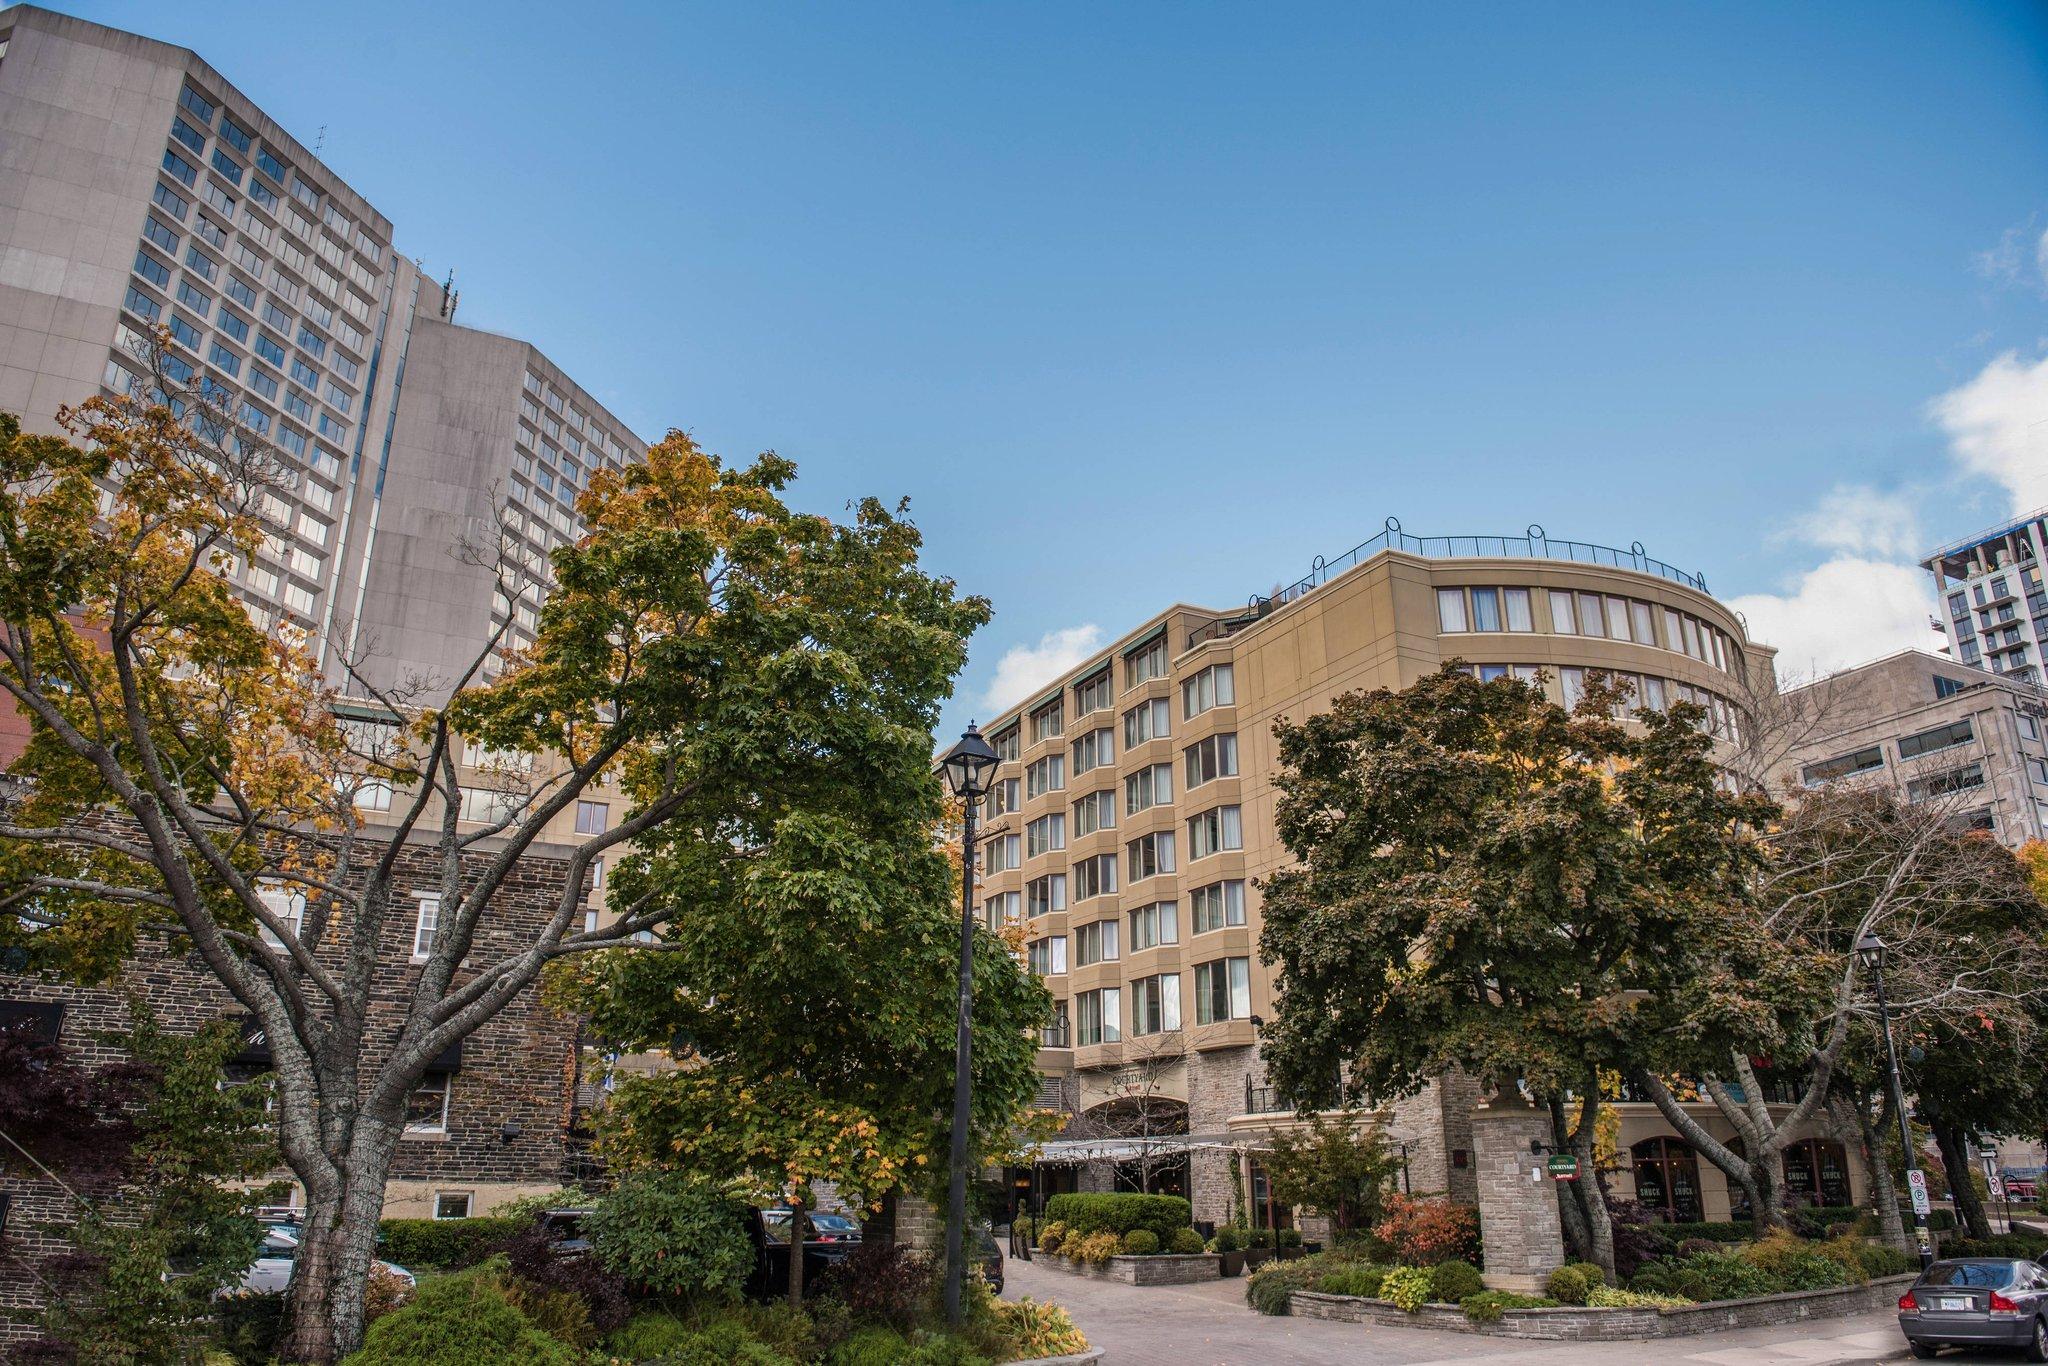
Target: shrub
(1451, 1282)
(1568, 1285)
(1186, 1242)
(881, 1284)
(647, 1336)
(1879, 1260)
(1636, 1239)
(1406, 1287)
(2003, 1245)
(1030, 1329)
(871, 1347)
(1793, 1264)
(1607, 1297)
(441, 1243)
(1095, 1248)
(1595, 1273)
(1719, 1276)
(1360, 1278)
(602, 1292)
(723, 1342)
(1120, 1213)
(1049, 1237)
(1287, 1237)
(1142, 1242)
(1692, 1247)
(459, 1320)
(1723, 1231)
(673, 1234)
(247, 1322)
(1847, 1252)
(1267, 1289)
(1261, 1237)
(1425, 1232)
(1488, 1305)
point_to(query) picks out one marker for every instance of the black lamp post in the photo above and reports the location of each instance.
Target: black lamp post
(1870, 951)
(965, 767)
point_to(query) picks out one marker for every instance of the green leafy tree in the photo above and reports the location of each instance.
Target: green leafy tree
(1485, 881)
(188, 773)
(1338, 1165)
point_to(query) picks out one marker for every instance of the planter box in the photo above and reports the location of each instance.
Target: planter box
(1570, 1323)
(1165, 1268)
(1232, 1262)
(1091, 1357)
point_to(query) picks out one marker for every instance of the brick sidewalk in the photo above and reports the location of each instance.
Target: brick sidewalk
(1209, 1324)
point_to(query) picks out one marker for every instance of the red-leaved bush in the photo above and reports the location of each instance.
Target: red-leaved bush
(1426, 1232)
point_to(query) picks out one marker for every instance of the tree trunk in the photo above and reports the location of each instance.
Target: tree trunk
(799, 1226)
(1877, 1167)
(330, 1276)
(1599, 1227)
(1955, 1160)
(1692, 1131)
(1570, 1208)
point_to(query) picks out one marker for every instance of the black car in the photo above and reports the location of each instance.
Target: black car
(983, 1252)
(1978, 1302)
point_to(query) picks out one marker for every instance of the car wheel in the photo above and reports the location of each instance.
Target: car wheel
(2037, 1346)
(1924, 1351)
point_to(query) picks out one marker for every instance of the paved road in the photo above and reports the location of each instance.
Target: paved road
(1210, 1325)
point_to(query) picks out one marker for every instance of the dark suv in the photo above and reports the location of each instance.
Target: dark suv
(1978, 1302)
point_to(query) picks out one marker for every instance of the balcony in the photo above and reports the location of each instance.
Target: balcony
(1776, 1091)
(1269, 1100)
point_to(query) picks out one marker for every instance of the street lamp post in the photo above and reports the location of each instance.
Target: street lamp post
(965, 767)
(1871, 950)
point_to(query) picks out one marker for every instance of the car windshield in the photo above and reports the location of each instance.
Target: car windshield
(833, 1223)
(1990, 1275)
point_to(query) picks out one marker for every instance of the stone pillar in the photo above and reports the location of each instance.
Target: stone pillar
(1518, 1214)
(921, 1226)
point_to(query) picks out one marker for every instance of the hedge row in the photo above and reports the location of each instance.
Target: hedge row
(1808, 1223)
(1162, 1215)
(442, 1243)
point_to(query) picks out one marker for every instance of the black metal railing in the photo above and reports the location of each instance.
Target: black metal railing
(1776, 1090)
(1270, 1100)
(1058, 1034)
(1532, 545)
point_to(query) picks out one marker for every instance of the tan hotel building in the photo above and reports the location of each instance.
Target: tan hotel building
(1132, 824)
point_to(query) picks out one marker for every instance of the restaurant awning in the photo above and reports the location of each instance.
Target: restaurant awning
(1069, 1152)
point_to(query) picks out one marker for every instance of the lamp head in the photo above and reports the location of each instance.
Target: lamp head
(1870, 951)
(967, 765)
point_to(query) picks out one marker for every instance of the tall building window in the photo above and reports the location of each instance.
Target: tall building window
(1094, 694)
(1216, 905)
(1098, 1016)
(287, 904)
(1486, 609)
(1154, 925)
(1002, 854)
(1148, 787)
(1450, 610)
(1095, 943)
(1210, 759)
(1155, 1004)
(425, 926)
(1592, 619)
(1096, 811)
(593, 818)
(1214, 686)
(1146, 721)
(1044, 895)
(1516, 601)
(1561, 619)
(1048, 956)
(1096, 748)
(1049, 720)
(1214, 831)
(1150, 855)
(1145, 663)
(1939, 738)
(1045, 835)
(1004, 795)
(1045, 775)
(1094, 877)
(1223, 990)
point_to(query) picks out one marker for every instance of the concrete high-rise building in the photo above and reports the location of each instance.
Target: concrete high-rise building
(1132, 821)
(1993, 602)
(139, 189)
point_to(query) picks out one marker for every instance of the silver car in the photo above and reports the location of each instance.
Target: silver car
(1978, 1302)
(272, 1270)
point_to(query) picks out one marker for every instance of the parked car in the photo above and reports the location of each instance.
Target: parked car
(770, 1237)
(825, 1227)
(272, 1270)
(984, 1252)
(566, 1237)
(1978, 1302)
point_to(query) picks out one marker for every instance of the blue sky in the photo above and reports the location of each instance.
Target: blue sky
(1205, 291)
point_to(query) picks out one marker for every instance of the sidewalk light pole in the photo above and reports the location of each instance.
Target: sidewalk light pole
(966, 767)
(1870, 950)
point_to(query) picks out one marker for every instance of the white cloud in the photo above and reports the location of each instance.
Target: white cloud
(1024, 669)
(2020, 258)
(1848, 610)
(1857, 519)
(1997, 426)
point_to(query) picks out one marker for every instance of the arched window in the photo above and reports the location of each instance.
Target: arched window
(1817, 1173)
(1667, 1176)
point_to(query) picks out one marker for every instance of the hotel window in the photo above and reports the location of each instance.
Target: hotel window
(159, 234)
(1842, 766)
(1154, 925)
(1215, 686)
(1044, 895)
(284, 903)
(187, 134)
(1641, 627)
(152, 270)
(1210, 759)
(1002, 909)
(1592, 621)
(1150, 855)
(1572, 682)
(1096, 748)
(141, 305)
(1486, 609)
(1617, 619)
(426, 1109)
(592, 818)
(1215, 906)
(1155, 1004)
(179, 167)
(201, 107)
(1004, 795)
(1095, 943)
(1096, 811)
(1148, 787)
(1047, 721)
(1047, 957)
(1223, 990)
(425, 926)
(1002, 853)
(236, 137)
(1045, 775)
(1450, 610)
(1215, 831)
(452, 1204)
(1095, 877)
(170, 201)
(1045, 835)
(1098, 1016)
(1146, 721)
(1561, 620)
(1691, 628)
(1145, 663)
(1516, 601)
(1943, 784)
(2029, 726)
(1939, 738)
(2037, 769)
(1094, 694)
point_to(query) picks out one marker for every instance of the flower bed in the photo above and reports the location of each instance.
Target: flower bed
(1163, 1268)
(1573, 1323)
